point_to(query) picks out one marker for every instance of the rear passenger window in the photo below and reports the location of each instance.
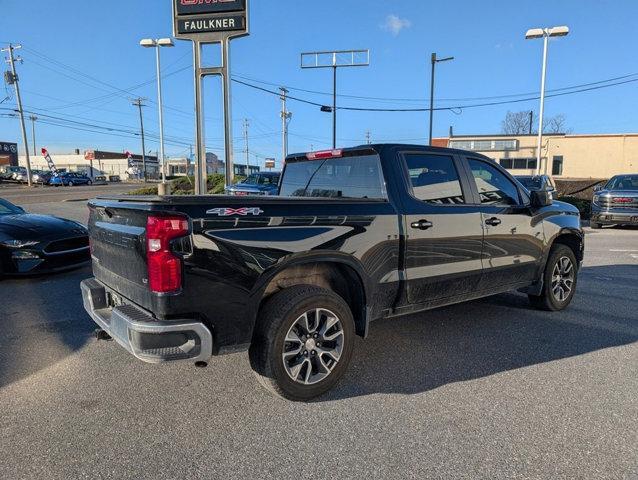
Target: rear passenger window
(434, 179)
(493, 186)
(358, 176)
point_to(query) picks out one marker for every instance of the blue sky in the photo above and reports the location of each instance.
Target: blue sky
(69, 44)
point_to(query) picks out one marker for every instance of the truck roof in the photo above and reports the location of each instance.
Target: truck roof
(379, 147)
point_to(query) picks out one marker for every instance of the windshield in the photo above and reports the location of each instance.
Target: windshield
(531, 183)
(623, 182)
(7, 208)
(349, 177)
(257, 179)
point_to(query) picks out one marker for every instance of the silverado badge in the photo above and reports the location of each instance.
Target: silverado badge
(227, 212)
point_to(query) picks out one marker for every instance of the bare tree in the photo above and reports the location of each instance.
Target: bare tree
(556, 124)
(518, 123)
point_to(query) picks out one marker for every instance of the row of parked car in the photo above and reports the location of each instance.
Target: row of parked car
(67, 179)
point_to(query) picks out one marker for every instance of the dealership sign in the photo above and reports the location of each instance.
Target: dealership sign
(206, 22)
(209, 20)
(196, 7)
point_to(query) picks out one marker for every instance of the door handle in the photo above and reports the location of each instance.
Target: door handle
(422, 225)
(493, 221)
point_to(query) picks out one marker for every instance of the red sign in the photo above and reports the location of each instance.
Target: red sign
(623, 200)
(196, 7)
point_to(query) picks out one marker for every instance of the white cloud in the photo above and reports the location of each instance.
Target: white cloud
(395, 24)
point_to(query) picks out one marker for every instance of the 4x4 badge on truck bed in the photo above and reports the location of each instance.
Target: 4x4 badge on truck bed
(226, 212)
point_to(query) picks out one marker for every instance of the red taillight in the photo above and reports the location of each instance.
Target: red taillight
(164, 267)
(324, 154)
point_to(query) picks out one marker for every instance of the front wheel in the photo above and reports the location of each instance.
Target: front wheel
(303, 342)
(70, 184)
(559, 280)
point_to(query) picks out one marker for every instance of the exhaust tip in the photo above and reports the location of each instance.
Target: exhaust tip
(201, 364)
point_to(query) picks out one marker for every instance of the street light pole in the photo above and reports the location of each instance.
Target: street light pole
(543, 33)
(161, 111)
(157, 44)
(434, 60)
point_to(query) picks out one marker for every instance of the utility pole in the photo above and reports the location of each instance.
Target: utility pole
(15, 80)
(368, 137)
(33, 119)
(139, 103)
(531, 120)
(246, 151)
(285, 118)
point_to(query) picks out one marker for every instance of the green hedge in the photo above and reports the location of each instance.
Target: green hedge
(185, 186)
(583, 206)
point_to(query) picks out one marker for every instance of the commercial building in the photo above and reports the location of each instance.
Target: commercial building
(562, 156)
(180, 167)
(96, 162)
(8, 154)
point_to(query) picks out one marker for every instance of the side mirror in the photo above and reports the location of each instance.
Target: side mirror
(540, 198)
(598, 188)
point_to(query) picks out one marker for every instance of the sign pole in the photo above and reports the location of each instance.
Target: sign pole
(228, 118)
(201, 171)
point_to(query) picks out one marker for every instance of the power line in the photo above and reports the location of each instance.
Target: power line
(458, 107)
(419, 100)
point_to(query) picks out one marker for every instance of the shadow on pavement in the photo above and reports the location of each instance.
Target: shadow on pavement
(42, 321)
(422, 352)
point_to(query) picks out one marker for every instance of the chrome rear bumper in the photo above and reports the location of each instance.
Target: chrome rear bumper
(142, 335)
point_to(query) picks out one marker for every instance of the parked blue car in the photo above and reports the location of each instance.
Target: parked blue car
(262, 183)
(70, 179)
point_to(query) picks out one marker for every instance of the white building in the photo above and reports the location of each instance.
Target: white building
(95, 163)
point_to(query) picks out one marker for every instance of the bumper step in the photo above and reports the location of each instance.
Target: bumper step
(142, 335)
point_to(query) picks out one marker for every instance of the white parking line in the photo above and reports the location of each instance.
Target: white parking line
(626, 251)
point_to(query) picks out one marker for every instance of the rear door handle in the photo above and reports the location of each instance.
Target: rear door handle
(493, 221)
(422, 225)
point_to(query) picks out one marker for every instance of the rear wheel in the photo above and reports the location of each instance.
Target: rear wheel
(303, 342)
(70, 184)
(559, 280)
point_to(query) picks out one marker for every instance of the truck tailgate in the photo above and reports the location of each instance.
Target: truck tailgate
(118, 236)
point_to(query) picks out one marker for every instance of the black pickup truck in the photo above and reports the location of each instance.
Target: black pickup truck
(355, 235)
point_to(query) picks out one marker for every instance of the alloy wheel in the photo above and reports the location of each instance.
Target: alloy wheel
(563, 277)
(313, 346)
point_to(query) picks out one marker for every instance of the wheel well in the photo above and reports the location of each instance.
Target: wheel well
(340, 278)
(572, 241)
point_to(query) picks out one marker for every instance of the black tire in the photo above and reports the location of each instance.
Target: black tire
(89, 183)
(70, 184)
(595, 225)
(548, 300)
(276, 320)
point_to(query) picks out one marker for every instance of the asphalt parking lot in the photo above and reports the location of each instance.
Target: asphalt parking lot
(67, 202)
(489, 389)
